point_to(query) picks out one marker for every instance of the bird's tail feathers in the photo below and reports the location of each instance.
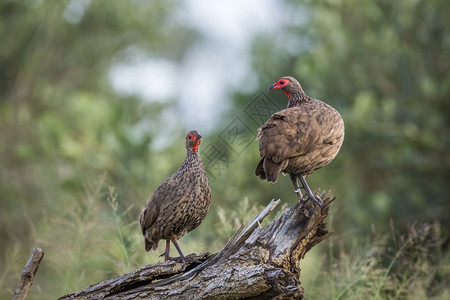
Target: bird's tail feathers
(150, 245)
(272, 169)
(260, 170)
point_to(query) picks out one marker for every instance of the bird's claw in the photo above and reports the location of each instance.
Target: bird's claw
(316, 199)
(185, 260)
(168, 258)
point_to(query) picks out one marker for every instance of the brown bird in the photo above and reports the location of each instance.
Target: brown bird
(179, 204)
(300, 139)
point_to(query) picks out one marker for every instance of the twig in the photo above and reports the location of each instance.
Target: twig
(28, 273)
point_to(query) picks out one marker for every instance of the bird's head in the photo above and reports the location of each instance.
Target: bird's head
(287, 85)
(193, 140)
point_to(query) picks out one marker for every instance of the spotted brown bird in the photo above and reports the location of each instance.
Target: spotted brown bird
(300, 139)
(179, 204)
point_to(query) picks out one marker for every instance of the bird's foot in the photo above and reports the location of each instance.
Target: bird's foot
(184, 260)
(297, 188)
(309, 192)
(178, 259)
(167, 257)
(299, 194)
(191, 260)
(316, 199)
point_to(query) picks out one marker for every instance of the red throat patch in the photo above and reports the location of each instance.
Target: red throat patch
(287, 94)
(196, 144)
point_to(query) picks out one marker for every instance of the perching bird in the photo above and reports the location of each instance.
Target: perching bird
(300, 139)
(180, 203)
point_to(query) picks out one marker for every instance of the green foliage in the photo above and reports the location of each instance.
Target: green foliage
(63, 126)
(384, 65)
(408, 265)
(85, 241)
(68, 138)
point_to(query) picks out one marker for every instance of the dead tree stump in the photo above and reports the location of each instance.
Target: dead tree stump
(258, 263)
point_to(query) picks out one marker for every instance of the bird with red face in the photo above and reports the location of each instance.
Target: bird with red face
(300, 139)
(179, 204)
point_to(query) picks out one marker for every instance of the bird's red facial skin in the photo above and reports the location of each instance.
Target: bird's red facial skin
(279, 85)
(287, 94)
(196, 144)
(282, 83)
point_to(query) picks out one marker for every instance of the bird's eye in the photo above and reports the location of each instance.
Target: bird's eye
(282, 82)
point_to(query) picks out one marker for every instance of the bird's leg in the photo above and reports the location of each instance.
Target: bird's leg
(174, 241)
(185, 259)
(166, 253)
(308, 190)
(297, 188)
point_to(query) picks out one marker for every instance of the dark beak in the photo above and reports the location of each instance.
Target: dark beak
(199, 136)
(270, 87)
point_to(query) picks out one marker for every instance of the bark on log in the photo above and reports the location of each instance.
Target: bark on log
(256, 263)
(28, 273)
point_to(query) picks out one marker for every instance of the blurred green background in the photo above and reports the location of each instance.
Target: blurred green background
(97, 96)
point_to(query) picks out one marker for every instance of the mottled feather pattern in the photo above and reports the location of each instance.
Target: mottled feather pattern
(179, 204)
(300, 139)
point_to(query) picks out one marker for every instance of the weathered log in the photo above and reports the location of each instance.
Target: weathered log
(259, 263)
(28, 273)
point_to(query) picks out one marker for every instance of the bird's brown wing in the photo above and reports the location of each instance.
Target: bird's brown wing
(160, 196)
(296, 131)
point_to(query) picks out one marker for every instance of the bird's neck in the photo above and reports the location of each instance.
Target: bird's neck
(192, 162)
(296, 98)
(191, 155)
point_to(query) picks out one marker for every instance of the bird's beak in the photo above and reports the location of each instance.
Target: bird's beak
(271, 87)
(199, 136)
